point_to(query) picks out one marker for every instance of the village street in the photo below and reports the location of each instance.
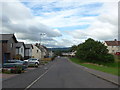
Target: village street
(60, 73)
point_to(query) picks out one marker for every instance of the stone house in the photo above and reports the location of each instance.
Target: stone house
(8, 46)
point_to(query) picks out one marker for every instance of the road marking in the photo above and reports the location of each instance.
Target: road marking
(38, 78)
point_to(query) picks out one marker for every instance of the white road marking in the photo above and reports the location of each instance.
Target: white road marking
(38, 78)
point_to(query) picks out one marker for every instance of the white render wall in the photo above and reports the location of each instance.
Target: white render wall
(30, 51)
(36, 52)
(20, 51)
(26, 52)
(113, 49)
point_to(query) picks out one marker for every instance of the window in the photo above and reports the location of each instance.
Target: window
(11, 45)
(113, 51)
(37, 51)
(21, 50)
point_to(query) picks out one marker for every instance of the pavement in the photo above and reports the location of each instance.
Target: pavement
(60, 73)
(109, 77)
(4, 76)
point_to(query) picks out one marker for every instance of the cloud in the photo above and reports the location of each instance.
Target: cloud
(55, 17)
(17, 18)
(104, 26)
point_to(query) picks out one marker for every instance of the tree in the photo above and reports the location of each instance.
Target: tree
(94, 51)
(73, 48)
(58, 53)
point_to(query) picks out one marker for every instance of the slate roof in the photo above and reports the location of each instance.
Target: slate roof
(28, 45)
(19, 44)
(6, 37)
(113, 43)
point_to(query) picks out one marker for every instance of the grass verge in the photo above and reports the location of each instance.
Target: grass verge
(108, 69)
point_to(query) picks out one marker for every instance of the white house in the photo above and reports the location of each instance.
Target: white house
(69, 53)
(36, 52)
(51, 53)
(113, 46)
(20, 47)
(44, 51)
(28, 51)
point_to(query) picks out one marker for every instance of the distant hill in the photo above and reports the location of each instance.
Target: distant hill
(59, 49)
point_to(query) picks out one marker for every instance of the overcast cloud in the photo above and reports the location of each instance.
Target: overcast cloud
(16, 18)
(65, 22)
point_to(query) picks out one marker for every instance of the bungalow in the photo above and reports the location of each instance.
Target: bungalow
(113, 46)
(36, 52)
(28, 51)
(8, 47)
(20, 47)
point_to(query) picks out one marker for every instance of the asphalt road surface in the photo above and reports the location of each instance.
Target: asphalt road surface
(59, 73)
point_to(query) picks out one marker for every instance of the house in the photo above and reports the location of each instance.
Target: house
(36, 52)
(51, 54)
(44, 51)
(8, 46)
(28, 51)
(113, 46)
(20, 50)
(72, 54)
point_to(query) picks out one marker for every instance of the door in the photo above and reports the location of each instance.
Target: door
(6, 57)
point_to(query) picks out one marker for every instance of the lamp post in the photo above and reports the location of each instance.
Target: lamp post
(41, 34)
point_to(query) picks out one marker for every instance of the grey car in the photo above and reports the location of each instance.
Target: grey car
(33, 62)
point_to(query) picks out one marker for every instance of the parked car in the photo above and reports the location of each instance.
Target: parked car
(12, 68)
(33, 62)
(24, 64)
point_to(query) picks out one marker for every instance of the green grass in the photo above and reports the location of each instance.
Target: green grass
(111, 68)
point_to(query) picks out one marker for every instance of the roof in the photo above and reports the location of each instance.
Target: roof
(19, 44)
(28, 45)
(113, 43)
(6, 37)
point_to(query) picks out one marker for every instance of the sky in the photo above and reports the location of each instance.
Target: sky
(64, 22)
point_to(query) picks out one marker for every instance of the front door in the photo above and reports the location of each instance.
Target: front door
(6, 57)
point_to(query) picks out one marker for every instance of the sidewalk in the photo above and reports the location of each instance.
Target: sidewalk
(109, 77)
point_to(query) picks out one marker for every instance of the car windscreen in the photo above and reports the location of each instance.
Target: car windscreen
(33, 59)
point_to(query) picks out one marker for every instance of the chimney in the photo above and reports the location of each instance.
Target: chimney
(115, 40)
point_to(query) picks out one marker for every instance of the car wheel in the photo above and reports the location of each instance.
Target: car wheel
(36, 64)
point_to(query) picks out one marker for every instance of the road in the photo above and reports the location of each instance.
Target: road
(61, 73)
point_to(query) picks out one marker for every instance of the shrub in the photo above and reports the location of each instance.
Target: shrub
(94, 51)
(17, 70)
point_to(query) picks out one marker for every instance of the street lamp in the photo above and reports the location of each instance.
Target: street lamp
(41, 34)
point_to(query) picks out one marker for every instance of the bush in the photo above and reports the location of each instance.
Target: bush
(19, 57)
(94, 51)
(17, 70)
(109, 58)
